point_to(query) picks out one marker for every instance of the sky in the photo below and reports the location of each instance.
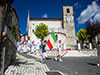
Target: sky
(84, 10)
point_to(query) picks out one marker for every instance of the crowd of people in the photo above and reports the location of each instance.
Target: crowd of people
(32, 47)
(59, 48)
(26, 47)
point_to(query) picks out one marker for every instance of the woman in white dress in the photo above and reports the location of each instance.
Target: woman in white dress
(25, 47)
(33, 47)
(18, 46)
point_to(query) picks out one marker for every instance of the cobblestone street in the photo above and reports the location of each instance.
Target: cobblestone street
(26, 65)
(29, 64)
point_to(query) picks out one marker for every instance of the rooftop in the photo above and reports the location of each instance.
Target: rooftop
(45, 19)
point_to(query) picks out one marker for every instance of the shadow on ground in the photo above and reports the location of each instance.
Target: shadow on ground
(48, 58)
(17, 62)
(93, 64)
(29, 56)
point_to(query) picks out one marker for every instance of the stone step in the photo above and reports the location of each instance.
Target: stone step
(73, 53)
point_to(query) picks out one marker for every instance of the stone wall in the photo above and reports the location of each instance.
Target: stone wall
(11, 48)
(10, 53)
(10, 42)
(1, 22)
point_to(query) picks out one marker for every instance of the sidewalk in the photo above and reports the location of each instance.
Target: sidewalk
(26, 66)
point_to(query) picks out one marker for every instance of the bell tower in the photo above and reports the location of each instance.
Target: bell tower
(68, 26)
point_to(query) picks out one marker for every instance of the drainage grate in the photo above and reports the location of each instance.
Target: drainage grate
(53, 73)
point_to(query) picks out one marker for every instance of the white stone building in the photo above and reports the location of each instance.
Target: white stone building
(63, 27)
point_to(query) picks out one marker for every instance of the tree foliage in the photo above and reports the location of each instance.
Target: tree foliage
(41, 31)
(82, 35)
(14, 32)
(93, 29)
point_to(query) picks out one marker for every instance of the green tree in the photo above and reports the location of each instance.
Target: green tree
(41, 31)
(93, 29)
(82, 35)
(14, 33)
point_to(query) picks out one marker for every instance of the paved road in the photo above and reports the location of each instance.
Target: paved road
(75, 65)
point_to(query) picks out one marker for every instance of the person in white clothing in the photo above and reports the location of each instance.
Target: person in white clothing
(59, 48)
(25, 47)
(33, 47)
(18, 46)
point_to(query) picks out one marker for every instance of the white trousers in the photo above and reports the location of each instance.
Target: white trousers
(33, 49)
(45, 55)
(19, 48)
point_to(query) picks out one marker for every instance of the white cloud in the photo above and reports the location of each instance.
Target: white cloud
(88, 13)
(97, 17)
(77, 5)
(45, 16)
(91, 20)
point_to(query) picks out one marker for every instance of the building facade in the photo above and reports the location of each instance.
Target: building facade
(14, 21)
(62, 27)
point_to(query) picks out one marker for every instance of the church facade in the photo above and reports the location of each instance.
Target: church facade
(62, 27)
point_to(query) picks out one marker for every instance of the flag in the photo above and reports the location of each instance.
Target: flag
(28, 38)
(28, 19)
(51, 41)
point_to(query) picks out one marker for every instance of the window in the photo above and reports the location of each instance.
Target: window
(68, 10)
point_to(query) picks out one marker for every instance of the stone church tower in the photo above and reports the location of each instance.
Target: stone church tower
(68, 26)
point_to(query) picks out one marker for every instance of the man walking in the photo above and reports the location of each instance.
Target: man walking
(44, 52)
